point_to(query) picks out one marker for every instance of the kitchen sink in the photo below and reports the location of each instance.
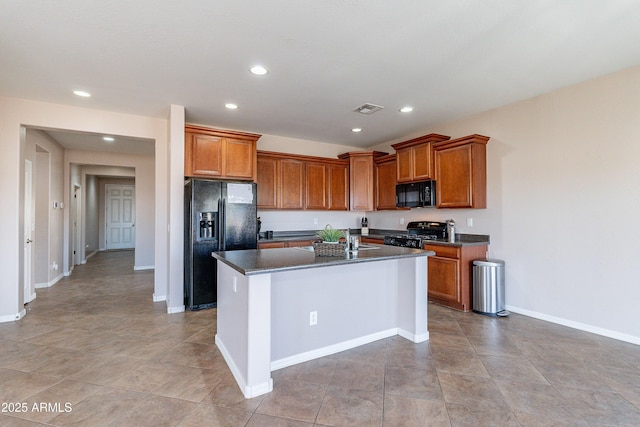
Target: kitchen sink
(362, 247)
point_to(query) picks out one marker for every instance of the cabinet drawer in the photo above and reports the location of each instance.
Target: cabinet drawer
(298, 243)
(270, 245)
(372, 240)
(443, 251)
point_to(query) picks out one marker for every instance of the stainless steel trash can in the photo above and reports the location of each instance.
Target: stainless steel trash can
(488, 287)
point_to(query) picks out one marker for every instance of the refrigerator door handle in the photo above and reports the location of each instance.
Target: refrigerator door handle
(221, 213)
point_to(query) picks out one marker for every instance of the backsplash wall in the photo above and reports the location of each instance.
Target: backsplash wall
(307, 220)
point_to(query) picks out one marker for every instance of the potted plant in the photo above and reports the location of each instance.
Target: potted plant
(330, 245)
(330, 234)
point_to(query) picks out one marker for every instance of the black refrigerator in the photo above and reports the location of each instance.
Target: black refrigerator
(218, 216)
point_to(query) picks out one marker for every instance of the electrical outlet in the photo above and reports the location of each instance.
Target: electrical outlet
(469, 222)
(401, 221)
(235, 284)
(315, 221)
(313, 318)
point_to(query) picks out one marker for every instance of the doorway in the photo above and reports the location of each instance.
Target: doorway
(120, 216)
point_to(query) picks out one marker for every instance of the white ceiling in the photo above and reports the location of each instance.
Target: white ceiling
(448, 59)
(95, 142)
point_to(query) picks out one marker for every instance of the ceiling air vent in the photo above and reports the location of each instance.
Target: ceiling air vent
(368, 108)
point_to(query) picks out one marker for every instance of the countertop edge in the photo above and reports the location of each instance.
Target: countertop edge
(338, 261)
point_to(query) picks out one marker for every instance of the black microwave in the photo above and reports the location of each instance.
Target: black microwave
(416, 194)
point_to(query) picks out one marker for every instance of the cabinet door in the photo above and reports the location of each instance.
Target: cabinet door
(291, 184)
(206, 155)
(404, 165)
(339, 187)
(421, 162)
(453, 178)
(361, 176)
(443, 279)
(267, 179)
(239, 158)
(317, 186)
(386, 185)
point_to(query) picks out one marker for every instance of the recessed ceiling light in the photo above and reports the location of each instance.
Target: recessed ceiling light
(258, 70)
(406, 109)
(108, 138)
(356, 130)
(81, 93)
(231, 106)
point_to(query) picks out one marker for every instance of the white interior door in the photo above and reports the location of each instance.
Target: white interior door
(29, 292)
(120, 216)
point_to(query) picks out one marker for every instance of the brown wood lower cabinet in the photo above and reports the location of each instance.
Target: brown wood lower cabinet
(365, 239)
(450, 270)
(287, 244)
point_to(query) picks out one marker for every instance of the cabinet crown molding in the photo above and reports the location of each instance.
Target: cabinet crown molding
(221, 132)
(469, 139)
(432, 137)
(350, 154)
(302, 157)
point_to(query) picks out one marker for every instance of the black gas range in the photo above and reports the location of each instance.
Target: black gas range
(417, 233)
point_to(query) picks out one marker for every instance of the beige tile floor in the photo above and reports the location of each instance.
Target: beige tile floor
(98, 348)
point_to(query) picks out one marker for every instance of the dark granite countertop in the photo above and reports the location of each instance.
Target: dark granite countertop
(461, 239)
(261, 261)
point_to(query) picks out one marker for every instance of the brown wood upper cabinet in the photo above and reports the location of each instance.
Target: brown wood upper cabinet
(414, 158)
(385, 182)
(281, 182)
(290, 181)
(361, 179)
(461, 172)
(213, 153)
(327, 185)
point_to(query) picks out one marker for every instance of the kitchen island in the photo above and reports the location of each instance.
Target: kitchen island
(280, 307)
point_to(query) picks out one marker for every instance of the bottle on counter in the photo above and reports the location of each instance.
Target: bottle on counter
(451, 230)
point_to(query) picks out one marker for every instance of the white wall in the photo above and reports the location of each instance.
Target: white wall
(91, 228)
(47, 156)
(15, 113)
(563, 203)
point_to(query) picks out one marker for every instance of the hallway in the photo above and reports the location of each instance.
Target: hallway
(96, 351)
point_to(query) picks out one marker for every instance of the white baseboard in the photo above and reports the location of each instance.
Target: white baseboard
(91, 254)
(143, 267)
(331, 349)
(49, 284)
(576, 325)
(13, 318)
(247, 391)
(159, 298)
(174, 310)
(413, 337)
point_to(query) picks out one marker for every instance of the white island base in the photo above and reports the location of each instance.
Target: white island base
(264, 317)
